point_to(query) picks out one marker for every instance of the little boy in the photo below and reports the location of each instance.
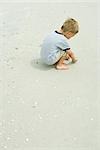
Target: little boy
(55, 48)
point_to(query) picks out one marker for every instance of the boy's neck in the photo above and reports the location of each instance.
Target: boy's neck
(67, 34)
(61, 31)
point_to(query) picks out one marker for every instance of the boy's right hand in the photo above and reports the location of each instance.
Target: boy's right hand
(74, 60)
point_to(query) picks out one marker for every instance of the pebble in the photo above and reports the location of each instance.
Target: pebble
(23, 102)
(37, 81)
(55, 116)
(11, 68)
(5, 147)
(92, 119)
(74, 138)
(9, 102)
(35, 104)
(78, 98)
(64, 103)
(15, 130)
(55, 87)
(87, 108)
(8, 138)
(0, 133)
(16, 48)
(40, 117)
(27, 139)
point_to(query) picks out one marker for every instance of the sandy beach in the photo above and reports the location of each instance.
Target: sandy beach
(42, 108)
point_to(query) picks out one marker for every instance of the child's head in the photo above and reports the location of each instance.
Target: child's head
(70, 27)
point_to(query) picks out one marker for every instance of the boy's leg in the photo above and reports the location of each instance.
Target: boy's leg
(60, 64)
(67, 57)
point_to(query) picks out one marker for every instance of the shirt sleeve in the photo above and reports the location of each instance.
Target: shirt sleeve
(63, 45)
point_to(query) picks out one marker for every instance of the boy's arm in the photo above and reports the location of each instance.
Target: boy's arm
(71, 54)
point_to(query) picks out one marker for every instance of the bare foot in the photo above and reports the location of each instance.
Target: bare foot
(62, 67)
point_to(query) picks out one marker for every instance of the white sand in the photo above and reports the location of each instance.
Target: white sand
(42, 108)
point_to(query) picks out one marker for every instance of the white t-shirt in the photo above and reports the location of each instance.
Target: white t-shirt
(53, 46)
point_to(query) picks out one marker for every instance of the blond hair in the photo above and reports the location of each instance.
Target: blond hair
(70, 25)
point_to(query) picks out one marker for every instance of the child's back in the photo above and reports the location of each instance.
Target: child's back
(53, 46)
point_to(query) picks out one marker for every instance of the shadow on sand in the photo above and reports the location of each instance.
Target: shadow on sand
(38, 64)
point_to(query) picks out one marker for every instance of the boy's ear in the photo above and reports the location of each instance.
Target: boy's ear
(71, 34)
